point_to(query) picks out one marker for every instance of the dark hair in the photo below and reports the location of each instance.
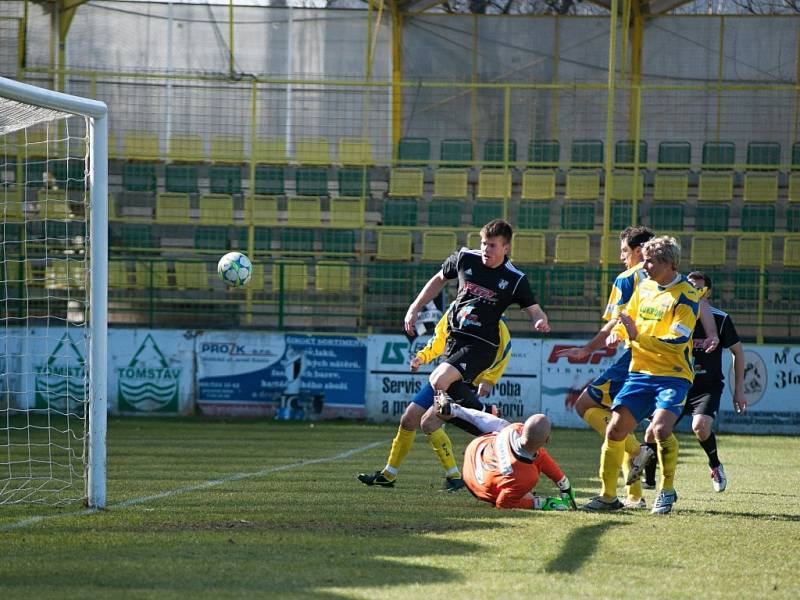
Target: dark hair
(496, 228)
(700, 275)
(636, 235)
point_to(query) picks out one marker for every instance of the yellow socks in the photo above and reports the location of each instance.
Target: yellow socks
(610, 463)
(441, 444)
(597, 418)
(401, 446)
(635, 489)
(668, 461)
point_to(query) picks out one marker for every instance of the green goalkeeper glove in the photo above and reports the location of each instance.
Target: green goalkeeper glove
(549, 503)
(567, 495)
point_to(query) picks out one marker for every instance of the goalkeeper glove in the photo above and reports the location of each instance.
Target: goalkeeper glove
(549, 503)
(567, 495)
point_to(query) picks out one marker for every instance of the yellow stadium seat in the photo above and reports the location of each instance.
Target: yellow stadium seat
(172, 207)
(474, 240)
(761, 187)
(140, 146)
(216, 209)
(671, 187)
(11, 208)
(751, 249)
(261, 210)
(528, 248)
(715, 187)
(270, 151)
(304, 211)
(406, 182)
(622, 186)
(794, 187)
(312, 152)
(118, 274)
(572, 248)
(188, 148)
(332, 277)
(355, 151)
(582, 185)
(791, 251)
(538, 184)
(449, 183)
(227, 149)
(192, 276)
(708, 251)
(394, 245)
(152, 275)
(54, 204)
(289, 276)
(436, 246)
(494, 183)
(257, 281)
(63, 274)
(347, 212)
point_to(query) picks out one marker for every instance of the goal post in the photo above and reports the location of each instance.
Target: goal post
(24, 108)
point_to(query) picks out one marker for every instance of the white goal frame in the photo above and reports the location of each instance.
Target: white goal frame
(97, 113)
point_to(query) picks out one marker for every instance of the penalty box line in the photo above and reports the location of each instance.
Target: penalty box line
(192, 488)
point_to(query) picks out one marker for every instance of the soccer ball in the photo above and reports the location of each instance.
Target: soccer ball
(235, 269)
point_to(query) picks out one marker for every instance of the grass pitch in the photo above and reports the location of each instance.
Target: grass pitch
(272, 509)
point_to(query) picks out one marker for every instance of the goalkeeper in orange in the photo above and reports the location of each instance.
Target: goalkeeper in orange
(503, 466)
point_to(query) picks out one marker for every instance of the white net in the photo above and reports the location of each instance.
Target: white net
(44, 250)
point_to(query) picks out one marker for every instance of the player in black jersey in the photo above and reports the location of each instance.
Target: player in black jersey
(702, 401)
(488, 283)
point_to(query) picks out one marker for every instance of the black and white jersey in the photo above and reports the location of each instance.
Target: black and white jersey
(708, 365)
(483, 294)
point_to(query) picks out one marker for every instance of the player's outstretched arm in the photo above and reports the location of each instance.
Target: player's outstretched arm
(428, 293)
(739, 399)
(538, 318)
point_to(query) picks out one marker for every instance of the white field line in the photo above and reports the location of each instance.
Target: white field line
(191, 488)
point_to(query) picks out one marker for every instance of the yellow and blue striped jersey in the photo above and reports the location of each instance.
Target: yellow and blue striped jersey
(665, 319)
(435, 347)
(622, 290)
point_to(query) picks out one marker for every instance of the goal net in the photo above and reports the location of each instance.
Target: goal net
(53, 290)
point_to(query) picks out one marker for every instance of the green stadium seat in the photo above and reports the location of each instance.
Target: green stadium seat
(566, 283)
(413, 151)
(35, 172)
(712, 217)
(311, 181)
(795, 155)
(211, 238)
(262, 239)
(135, 236)
(484, 211)
(68, 173)
(758, 217)
(400, 212)
(139, 177)
(666, 217)
(674, 155)
(338, 241)
(587, 153)
(577, 215)
(625, 153)
(354, 182)
(269, 180)
(391, 279)
(719, 155)
(790, 285)
(533, 214)
(456, 152)
(493, 151)
(296, 240)
(180, 178)
(225, 179)
(763, 155)
(445, 212)
(544, 153)
(621, 215)
(793, 218)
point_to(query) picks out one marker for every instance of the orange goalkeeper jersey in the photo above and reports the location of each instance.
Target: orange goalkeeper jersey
(499, 471)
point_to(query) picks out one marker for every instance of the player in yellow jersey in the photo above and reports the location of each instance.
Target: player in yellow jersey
(423, 400)
(594, 403)
(657, 323)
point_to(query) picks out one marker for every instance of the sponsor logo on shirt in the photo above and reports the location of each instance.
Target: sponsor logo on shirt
(468, 272)
(478, 290)
(502, 284)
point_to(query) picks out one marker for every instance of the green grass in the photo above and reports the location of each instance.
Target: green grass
(312, 531)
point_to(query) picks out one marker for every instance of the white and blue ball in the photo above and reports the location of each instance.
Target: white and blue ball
(235, 269)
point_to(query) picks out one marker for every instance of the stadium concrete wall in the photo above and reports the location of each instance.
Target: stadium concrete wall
(220, 373)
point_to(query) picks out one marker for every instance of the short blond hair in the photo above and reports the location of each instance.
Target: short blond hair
(663, 249)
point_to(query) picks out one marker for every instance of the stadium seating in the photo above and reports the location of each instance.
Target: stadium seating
(227, 149)
(528, 248)
(445, 212)
(751, 250)
(394, 245)
(400, 212)
(311, 181)
(763, 155)
(582, 184)
(139, 177)
(712, 217)
(118, 275)
(216, 209)
(622, 185)
(708, 251)
(533, 214)
(484, 211)
(181, 178)
(225, 179)
(494, 149)
(625, 154)
(455, 153)
(333, 277)
(262, 240)
(572, 248)
(347, 212)
(494, 183)
(54, 204)
(338, 242)
(544, 153)
(438, 245)
(355, 151)
(269, 180)
(211, 238)
(261, 210)
(289, 276)
(406, 182)
(413, 151)
(587, 154)
(186, 148)
(134, 236)
(192, 276)
(297, 240)
(354, 182)
(61, 274)
(271, 151)
(578, 215)
(304, 211)
(140, 145)
(450, 183)
(791, 251)
(538, 184)
(151, 275)
(719, 155)
(172, 208)
(314, 151)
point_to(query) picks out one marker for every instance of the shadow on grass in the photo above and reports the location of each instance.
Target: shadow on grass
(579, 548)
(744, 515)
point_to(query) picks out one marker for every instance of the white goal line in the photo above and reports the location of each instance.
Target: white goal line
(203, 485)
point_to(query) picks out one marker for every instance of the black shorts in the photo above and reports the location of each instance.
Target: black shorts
(703, 400)
(469, 356)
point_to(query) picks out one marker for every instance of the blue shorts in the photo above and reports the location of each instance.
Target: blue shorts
(424, 397)
(604, 389)
(642, 394)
